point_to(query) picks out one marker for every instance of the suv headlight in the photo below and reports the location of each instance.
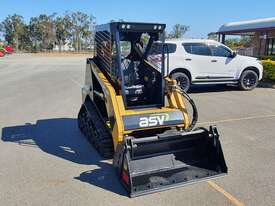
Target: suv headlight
(259, 61)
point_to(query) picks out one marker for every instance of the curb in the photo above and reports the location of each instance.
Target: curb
(267, 85)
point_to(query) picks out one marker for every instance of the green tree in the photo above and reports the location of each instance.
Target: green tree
(1, 31)
(36, 33)
(213, 36)
(246, 41)
(42, 31)
(25, 40)
(178, 31)
(243, 42)
(14, 28)
(63, 27)
(81, 28)
(45, 31)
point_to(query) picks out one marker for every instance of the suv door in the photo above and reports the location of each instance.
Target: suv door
(223, 62)
(155, 54)
(198, 57)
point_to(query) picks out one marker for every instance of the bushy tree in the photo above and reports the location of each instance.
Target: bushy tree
(42, 31)
(1, 31)
(45, 31)
(81, 28)
(178, 31)
(63, 27)
(242, 42)
(25, 40)
(213, 36)
(14, 28)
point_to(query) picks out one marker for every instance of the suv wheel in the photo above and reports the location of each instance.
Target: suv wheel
(182, 80)
(249, 80)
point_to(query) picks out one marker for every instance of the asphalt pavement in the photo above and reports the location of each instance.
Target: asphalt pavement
(44, 159)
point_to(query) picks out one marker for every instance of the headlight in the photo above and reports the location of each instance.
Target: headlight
(259, 61)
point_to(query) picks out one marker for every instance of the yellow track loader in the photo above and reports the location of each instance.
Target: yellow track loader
(135, 113)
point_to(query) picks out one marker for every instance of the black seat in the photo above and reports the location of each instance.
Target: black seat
(134, 90)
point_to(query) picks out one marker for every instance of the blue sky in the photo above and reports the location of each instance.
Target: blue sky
(202, 16)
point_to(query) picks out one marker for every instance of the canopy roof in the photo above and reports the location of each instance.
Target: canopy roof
(248, 26)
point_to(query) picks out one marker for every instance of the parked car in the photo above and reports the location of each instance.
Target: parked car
(200, 62)
(9, 49)
(2, 50)
(5, 49)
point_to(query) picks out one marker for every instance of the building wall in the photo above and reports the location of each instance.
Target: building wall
(255, 48)
(256, 44)
(260, 43)
(271, 34)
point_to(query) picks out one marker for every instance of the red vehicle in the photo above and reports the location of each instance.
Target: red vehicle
(2, 53)
(7, 49)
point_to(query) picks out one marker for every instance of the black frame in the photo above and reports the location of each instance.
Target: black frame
(114, 29)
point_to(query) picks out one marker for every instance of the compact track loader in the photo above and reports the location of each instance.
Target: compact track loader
(136, 114)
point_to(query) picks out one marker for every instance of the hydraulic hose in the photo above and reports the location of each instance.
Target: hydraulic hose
(194, 108)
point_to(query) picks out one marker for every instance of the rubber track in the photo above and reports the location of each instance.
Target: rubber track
(96, 132)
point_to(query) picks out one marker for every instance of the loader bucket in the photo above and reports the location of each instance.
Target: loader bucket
(170, 160)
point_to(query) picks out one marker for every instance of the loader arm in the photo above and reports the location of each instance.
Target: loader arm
(176, 100)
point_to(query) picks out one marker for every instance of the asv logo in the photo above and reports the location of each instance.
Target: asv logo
(153, 120)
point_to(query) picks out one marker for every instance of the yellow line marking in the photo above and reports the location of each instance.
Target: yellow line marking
(230, 197)
(239, 119)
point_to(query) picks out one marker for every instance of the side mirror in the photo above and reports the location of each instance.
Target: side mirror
(234, 54)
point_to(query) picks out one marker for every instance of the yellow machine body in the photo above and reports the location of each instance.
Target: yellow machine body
(116, 109)
(133, 112)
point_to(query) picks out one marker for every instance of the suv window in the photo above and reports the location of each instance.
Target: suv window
(157, 48)
(220, 51)
(197, 48)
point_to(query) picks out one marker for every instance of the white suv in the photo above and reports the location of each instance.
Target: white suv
(210, 62)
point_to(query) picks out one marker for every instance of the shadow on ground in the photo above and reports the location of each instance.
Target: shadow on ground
(61, 137)
(211, 88)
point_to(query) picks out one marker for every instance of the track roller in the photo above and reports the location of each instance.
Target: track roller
(95, 130)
